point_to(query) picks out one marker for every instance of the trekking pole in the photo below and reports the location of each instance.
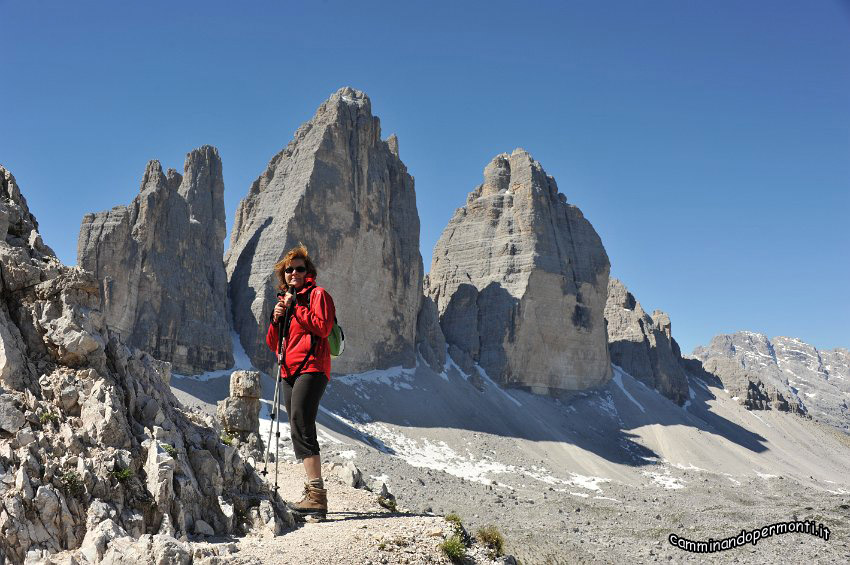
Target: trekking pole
(282, 328)
(274, 408)
(287, 318)
(277, 442)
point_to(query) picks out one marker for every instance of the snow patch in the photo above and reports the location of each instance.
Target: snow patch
(665, 479)
(606, 403)
(397, 377)
(437, 454)
(688, 467)
(759, 419)
(487, 378)
(619, 380)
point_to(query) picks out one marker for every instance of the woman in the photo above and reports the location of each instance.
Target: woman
(306, 364)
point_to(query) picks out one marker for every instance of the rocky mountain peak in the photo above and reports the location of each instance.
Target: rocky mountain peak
(341, 190)
(517, 262)
(782, 373)
(159, 263)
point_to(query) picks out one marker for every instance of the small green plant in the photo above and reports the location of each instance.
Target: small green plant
(169, 449)
(382, 546)
(454, 548)
(388, 503)
(226, 438)
(490, 536)
(122, 474)
(47, 417)
(455, 521)
(72, 484)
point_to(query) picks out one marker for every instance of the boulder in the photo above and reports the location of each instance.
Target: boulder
(343, 192)
(245, 384)
(147, 550)
(203, 529)
(159, 265)
(350, 474)
(519, 278)
(240, 412)
(11, 418)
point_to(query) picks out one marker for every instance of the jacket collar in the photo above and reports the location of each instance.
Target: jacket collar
(309, 282)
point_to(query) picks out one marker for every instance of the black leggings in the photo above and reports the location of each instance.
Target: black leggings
(301, 398)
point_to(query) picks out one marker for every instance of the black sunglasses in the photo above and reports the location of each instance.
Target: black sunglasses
(289, 270)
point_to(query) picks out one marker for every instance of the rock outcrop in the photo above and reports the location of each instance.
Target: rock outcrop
(782, 373)
(520, 278)
(430, 341)
(643, 345)
(159, 265)
(344, 193)
(94, 446)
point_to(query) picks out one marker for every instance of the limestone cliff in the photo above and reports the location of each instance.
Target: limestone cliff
(159, 264)
(343, 192)
(520, 278)
(643, 345)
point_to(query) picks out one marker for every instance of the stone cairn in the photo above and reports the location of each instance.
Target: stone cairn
(239, 414)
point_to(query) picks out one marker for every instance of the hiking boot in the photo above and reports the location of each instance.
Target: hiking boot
(315, 501)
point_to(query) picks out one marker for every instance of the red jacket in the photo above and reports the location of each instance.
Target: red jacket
(315, 322)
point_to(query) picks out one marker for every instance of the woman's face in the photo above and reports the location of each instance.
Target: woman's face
(293, 276)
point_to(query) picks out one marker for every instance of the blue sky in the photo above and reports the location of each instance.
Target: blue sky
(707, 142)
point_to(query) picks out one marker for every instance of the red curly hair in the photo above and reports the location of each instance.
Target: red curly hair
(297, 252)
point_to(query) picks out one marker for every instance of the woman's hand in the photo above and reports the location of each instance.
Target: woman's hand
(281, 306)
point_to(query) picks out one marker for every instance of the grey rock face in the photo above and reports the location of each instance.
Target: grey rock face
(85, 421)
(18, 227)
(430, 342)
(520, 280)
(25, 261)
(643, 345)
(159, 264)
(344, 193)
(782, 373)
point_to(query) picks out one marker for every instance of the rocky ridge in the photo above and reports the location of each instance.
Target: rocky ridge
(93, 445)
(159, 265)
(643, 345)
(519, 278)
(343, 192)
(781, 373)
